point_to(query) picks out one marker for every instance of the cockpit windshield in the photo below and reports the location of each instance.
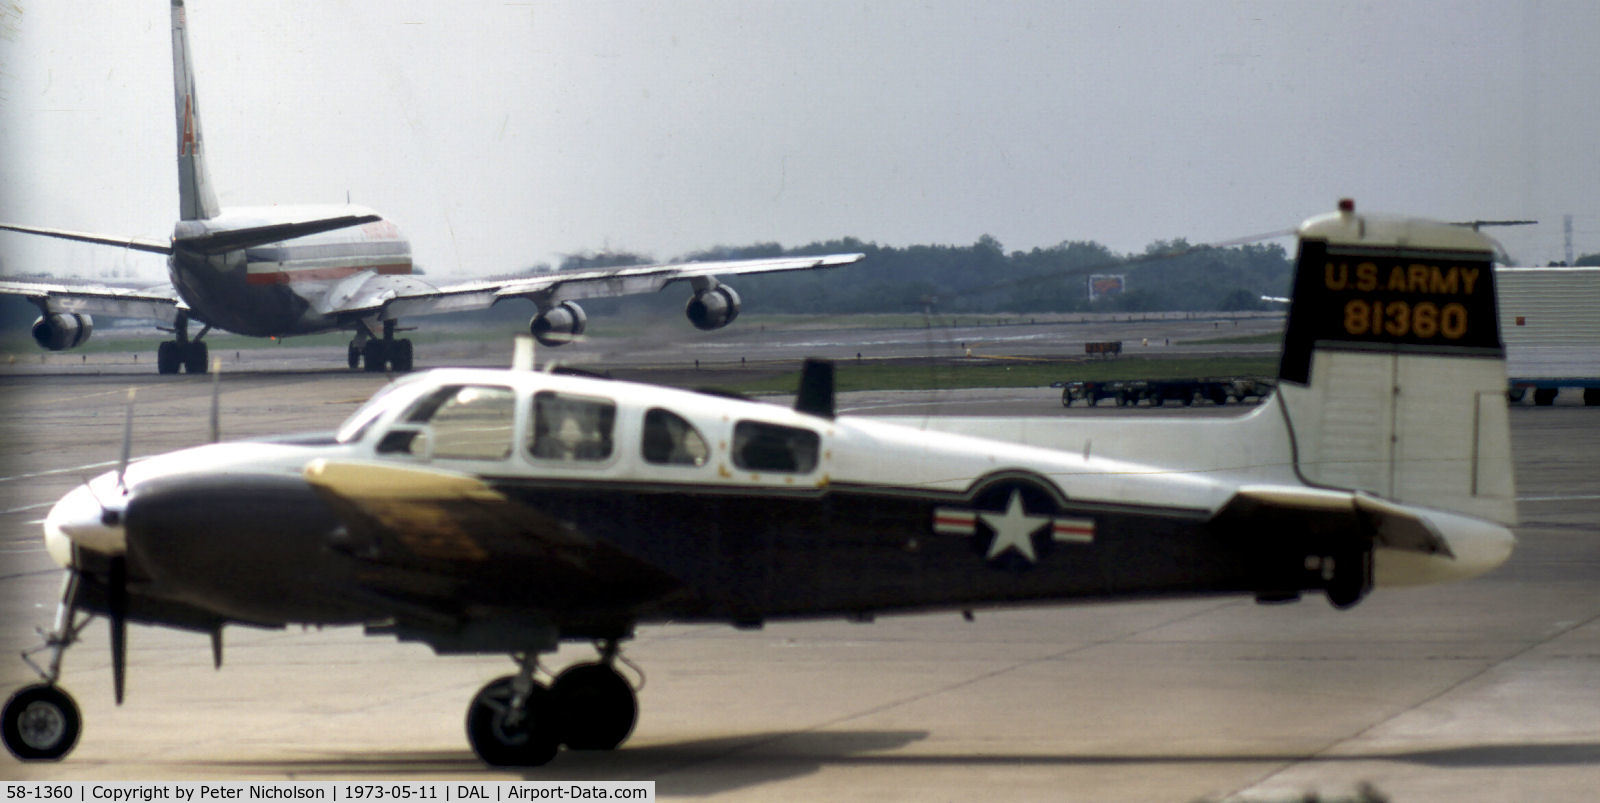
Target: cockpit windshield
(355, 427)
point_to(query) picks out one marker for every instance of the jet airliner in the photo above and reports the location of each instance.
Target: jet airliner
(294, 270)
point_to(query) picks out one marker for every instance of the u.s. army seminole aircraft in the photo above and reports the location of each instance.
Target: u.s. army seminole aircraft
(490, 511)
(293, 270)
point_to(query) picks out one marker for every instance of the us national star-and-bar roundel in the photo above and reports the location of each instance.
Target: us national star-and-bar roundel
(1013, 525)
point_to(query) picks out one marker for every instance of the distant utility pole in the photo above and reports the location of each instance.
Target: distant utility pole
(1566, 228)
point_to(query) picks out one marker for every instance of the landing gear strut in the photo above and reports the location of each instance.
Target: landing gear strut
(191, 356)
(516, 721)
(379, 354)
(41, 722)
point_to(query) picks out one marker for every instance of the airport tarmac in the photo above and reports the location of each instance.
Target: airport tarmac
(1485, 690)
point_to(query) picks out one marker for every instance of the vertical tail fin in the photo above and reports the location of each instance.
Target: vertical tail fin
(1393, 373)
(195, 198)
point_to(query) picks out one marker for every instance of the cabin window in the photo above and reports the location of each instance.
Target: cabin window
(568, 427)
(670, 440)
(459, 422)
(758, 446)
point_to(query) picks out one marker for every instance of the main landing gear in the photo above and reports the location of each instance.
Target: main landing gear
(516, 721)
(41, 722)
(191, 356)
(380, 354)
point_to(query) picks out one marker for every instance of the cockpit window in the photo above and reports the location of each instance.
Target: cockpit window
(568, 427)
(355, 427)
(457, 422)
(670, 440)
(759, 446)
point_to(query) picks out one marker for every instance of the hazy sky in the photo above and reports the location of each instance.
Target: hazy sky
(500, 134)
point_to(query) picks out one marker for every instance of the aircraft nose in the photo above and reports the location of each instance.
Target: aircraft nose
(1476, 546)
(89, 517)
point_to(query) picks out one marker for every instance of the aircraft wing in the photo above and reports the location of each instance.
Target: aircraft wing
(555, 287)
(159, 303)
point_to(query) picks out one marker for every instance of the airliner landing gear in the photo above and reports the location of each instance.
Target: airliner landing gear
(517, 721)
(41, 722)
(380, 354)
(191, 356)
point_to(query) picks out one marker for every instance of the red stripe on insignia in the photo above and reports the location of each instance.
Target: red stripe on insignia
(955, 522)
(1073, 530)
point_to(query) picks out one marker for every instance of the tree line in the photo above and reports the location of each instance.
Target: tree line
(1171, 275)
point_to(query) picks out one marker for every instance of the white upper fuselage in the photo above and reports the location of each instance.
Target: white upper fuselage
(291, 286)
(1192, 470)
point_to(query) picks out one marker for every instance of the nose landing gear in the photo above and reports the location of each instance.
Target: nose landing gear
(41, 722)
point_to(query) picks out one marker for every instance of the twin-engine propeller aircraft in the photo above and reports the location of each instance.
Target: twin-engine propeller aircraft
(488, 511)
(293, 270)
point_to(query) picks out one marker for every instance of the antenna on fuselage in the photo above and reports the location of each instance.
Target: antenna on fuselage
(522, 353)
(216, 396)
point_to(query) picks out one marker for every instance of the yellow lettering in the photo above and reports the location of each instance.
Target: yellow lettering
(1418, 276)
(1335, 276)
(1469, 277)
(1355, 317)
(1366, 277)
(1444, 281)
(1425, 319)
(1397, 279)
(1453, 318)
(1399, 319)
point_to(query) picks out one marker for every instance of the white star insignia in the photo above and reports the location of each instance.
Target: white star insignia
(1014, 529)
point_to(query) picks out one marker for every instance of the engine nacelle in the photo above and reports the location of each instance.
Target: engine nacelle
(60, 331)
(559, 325)
(714, 308)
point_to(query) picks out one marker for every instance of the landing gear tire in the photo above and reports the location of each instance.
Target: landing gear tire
(167, 357)
(40, 723)
(375, 355)
(1351, 578)
(595, 706)
(355, 357)
(196, 357)
(505, 737)
(400, 356)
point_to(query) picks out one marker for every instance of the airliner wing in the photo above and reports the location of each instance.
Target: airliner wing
(555, 287)
(159, 303)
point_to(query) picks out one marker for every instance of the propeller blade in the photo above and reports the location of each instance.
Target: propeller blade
(118, 603)
(127, 441)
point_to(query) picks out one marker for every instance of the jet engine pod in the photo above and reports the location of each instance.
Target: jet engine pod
(60, 331)
(559, 324)
(713, 308)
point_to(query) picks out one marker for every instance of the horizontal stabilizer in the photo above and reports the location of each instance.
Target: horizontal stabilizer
(134, 243)
(1304, 509)
(218, 242)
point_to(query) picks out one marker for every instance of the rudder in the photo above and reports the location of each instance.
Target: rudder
(196, 201)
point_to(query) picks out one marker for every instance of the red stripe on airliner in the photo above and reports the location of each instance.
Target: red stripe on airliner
(290, 276)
